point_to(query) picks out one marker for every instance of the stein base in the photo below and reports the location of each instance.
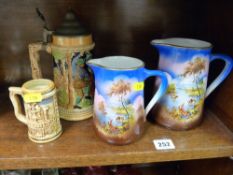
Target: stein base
(75, 114)
(47, 140)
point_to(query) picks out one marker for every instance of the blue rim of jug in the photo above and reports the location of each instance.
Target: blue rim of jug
(184, 47)
(110, 68)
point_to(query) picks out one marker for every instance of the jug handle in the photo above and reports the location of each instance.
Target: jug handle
(225, 72)
(14, 97)
(34, 56)
(162, 88)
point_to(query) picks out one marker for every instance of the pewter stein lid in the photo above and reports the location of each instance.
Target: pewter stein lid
(71, 26)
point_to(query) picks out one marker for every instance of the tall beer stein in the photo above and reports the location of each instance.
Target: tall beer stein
(187, 63)
(70, 48)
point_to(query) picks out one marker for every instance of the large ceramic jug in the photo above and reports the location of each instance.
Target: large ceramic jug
(70, 48)
(119, 113)
(187, 63)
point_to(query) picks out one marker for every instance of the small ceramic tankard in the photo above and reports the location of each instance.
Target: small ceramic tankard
(119, 114)
(40, 103)
(187, 63)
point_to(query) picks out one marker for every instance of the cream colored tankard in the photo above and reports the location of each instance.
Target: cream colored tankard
(41, 109)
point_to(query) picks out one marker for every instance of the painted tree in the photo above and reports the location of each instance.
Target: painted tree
(121, 89)
(101, 107)
(171, 90)
(61, 77)
(70, 80)
(195, 67)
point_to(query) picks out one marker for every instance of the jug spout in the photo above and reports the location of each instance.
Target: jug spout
(158, 42)
(164, 42)
(168, 43)
(93, 64)
(161, 44)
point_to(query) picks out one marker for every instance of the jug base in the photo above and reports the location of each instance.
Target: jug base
(120, 140)
(76, 114)
(178, 126)
(116, 141)
(170, 122)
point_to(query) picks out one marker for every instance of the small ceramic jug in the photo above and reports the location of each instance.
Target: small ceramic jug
(70, 48)
(40, 103)
(119, 113)
(187, 63)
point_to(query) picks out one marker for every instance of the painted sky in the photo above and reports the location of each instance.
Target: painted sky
(178, 55)
(104, 85)
(177, 68)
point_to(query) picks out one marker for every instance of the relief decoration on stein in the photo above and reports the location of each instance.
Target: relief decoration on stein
(43, 118)
(74, 82)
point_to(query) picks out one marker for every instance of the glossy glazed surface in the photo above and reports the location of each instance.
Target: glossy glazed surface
(119, 114)
(187, 65)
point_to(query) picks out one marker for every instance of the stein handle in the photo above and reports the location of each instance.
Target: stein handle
(162, 88)
(34, 56)
(14, 97)
(225, 72)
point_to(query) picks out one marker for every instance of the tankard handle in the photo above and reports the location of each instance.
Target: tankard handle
(14, 97)
(162, 87)
(225, 72)
(34, 56)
